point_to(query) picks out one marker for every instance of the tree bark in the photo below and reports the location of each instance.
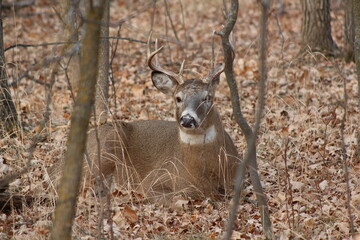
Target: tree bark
(316, 27)
(250, 135)
(8, 115)
(102, 87)
(356, 5)
(70, 182)
(356, 12)
(349, 32)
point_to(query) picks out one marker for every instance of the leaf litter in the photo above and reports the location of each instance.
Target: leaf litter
(302, 121)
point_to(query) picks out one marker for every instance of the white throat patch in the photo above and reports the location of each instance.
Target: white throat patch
(197, 139)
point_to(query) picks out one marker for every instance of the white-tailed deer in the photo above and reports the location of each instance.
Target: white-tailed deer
(192, 155)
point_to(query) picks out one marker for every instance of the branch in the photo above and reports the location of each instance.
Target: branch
(344, 154)
(40, 136)
(69, 42)
(250, 135)
(132, 15)
(50, 60)
(36, 45)
(171, 21)
(130, 39)
(18, 4)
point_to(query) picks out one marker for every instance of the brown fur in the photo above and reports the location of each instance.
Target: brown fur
(151, 158)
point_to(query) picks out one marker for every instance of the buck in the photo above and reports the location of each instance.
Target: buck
(193, 155)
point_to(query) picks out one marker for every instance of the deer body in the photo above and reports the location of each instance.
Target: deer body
(192, 155)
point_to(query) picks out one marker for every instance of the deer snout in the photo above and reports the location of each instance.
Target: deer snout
(188, 121)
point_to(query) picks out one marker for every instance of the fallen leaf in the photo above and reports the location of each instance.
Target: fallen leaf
(130, 214)
(323, 185)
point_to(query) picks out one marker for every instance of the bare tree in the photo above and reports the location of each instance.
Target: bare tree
(316, 27)
(356, 5)
(8, 115)
(102, 87)
(349, 32)
(250, 134)
(70, 182)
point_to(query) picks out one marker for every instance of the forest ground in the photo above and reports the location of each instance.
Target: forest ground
(300, 147)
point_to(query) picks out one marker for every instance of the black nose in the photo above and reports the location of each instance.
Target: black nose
(187, 121)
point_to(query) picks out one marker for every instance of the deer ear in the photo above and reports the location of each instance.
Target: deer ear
(164, 83)
(214, 76)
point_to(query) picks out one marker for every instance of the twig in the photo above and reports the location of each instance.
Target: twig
(37, 45)
(70, 87)
(111, 66)
(152, 17)
(129, 39)
(344, 154)
(289, 188)
(6, 180)
(131, 15)
(46, 63)
(18, 4)
(110, 219)
(27, 75)
(213, 50)
(171, 21)
(24, 45)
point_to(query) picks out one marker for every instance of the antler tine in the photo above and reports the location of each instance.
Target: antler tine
(215, 72)
(181, 71)
(157, 56)
(155, 66)
(148, 46)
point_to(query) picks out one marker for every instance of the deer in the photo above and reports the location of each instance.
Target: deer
(192, 155)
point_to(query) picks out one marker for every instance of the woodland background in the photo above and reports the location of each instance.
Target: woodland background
(300, 146)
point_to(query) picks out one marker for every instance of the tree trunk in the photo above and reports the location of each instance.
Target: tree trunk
(8, 115)
(250, 135)
(349, 32)
(70, 182)
(316, 27)
(102, 87)
(356, 5)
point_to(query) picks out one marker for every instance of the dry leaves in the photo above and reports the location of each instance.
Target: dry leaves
(301, 125)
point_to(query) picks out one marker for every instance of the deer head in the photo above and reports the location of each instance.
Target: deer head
(194, 98)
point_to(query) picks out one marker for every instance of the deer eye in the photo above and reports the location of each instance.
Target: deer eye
(178, 99)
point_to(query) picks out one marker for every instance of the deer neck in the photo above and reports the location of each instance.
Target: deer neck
(209, 136)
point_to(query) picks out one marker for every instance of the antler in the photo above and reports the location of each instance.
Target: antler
(155, 66)
(215, 72)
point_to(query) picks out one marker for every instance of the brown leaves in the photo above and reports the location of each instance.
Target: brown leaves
(130, 214)
(303, 107)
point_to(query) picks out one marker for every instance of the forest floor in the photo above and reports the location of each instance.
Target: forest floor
(300, 147)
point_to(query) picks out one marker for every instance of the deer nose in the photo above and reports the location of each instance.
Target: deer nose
(187, 121)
